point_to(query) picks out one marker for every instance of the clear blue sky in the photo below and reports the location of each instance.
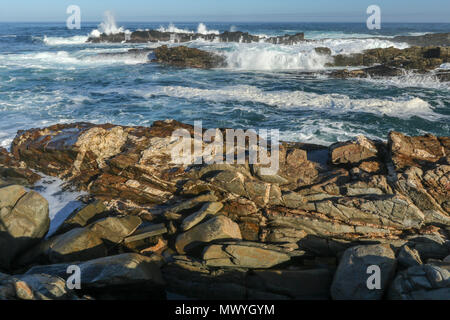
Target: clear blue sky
(228, 10)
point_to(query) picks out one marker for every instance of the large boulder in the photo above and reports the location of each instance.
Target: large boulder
(353, 152)
(35, 287)
(423, 282)
(352, 275)
(415, 151)
(123, 276)
(24, 220)
(219, 227)
(79, 244)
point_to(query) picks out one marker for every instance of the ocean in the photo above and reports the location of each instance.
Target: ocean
(48, 74)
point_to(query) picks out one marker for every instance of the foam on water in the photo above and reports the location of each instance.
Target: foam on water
(61, 203)
(301, 56)
(66, 60)
(60, 41)
(411, 80)
(201, 29)
(403, 108)
(273, 57)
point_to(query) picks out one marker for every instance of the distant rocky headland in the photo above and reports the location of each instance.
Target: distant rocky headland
(225, 231)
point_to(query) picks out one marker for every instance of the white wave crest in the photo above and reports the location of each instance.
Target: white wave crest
(411, 80)
(173, 29)
(65, 60)
(108, 26)
(201, 29)
(273, 57)
(333, 103)
(57, 41)
(302, 56)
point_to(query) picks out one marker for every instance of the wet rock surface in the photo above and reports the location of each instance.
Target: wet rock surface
(391, 62)
(227, 36)
(227, 231)
(185, 57)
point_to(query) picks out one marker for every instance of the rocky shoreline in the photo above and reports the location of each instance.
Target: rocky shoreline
(225, 231)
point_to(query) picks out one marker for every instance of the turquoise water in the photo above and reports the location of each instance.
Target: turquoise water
(49, 75)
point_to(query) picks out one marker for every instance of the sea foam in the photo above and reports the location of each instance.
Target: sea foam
(404, 107)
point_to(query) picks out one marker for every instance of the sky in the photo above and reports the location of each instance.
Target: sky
(227, 10)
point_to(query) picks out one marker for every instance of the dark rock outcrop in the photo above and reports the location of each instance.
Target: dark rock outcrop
(424, 282)
(185, 57)
(227, 36)
(389, 62)
(431, 39)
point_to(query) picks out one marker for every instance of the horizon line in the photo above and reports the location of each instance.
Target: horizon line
(220, 21)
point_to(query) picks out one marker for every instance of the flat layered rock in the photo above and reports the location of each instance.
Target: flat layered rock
(217, 228)
(13, 171)
(416, 151)
(81, 217)
(243, 255)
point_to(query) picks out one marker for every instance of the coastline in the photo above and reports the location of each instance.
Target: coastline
(226, 225)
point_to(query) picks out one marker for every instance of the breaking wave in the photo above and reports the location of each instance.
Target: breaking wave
(302, 56)
(108, 26)
(58, 41)
(65, 60)
(201, 29)
(334, 103)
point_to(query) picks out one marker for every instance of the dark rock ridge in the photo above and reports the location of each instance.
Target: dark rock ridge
(212, 231)
(431, 39)
(392, 61)
(227, 36)
(182, 56)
